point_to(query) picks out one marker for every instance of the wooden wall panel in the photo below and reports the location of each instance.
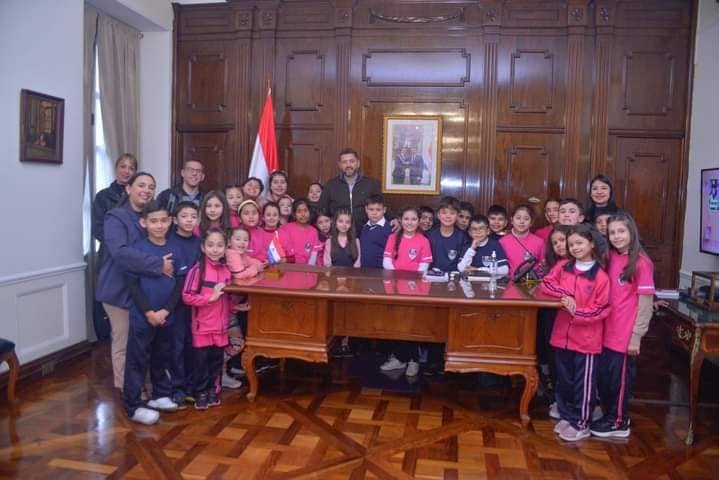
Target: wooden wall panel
(536, 97)
(531, 74)
(306, 92)
(649, 82)
(646, 170)
(214, 151)
(307, 156)
(529, 167)
(206, 77)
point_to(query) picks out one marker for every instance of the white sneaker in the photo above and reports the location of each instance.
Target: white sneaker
(230, 382)
(392, 364)
(164, 404)
(412, 369)
(145, 416)
(571, 434)
(559, 427)
(554, 411)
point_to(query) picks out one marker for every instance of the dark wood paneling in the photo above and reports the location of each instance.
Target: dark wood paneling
(206, 78)
(531, 73)
(307, 156)
(646, 170)
(535, 97)
(649, 81)
(213, 150)
(529, 167)
(416, 68)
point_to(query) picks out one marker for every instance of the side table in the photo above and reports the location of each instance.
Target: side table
(696, 330)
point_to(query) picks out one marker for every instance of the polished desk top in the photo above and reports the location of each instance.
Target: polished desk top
(369, 284)
(694, 313)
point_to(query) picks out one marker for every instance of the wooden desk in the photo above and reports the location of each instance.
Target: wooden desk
(696, 330)
(298, 313)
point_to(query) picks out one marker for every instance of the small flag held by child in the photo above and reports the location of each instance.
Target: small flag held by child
(275, 252)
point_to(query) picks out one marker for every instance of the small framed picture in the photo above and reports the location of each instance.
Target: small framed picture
(412, 154)
(41, 127)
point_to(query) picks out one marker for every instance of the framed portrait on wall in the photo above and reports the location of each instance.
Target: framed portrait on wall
(41, 127)
(411, 154)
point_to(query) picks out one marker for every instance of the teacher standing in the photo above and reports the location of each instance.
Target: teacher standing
(350, 189)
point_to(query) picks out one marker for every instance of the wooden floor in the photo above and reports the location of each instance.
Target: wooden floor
(316, 422)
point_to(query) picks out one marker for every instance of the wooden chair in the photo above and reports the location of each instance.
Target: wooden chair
(7, 354)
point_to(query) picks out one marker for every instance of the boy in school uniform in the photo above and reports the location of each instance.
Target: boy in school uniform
(448, 245)
(498, 221)
(181, 237)
(374, 234)
(466, 211)
(571, 212)
(483, 245)
(426, 219)
(447, 241)
(150, 339)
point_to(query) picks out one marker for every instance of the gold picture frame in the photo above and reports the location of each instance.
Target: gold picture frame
(42, 119)
(412, 154)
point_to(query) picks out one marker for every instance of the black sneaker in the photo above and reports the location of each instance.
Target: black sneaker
(213, 400)
(179, 399)
(201, 401)
(608, 428)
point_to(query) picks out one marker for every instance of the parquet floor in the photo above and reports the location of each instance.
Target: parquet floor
(315, 422)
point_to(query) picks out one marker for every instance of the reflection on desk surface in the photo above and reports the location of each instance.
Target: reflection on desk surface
(692, 311)
(370, 282)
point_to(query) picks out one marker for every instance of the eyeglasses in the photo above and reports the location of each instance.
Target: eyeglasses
(190, 170)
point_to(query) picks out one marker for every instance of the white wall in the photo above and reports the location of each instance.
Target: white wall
(42, 293)
(703, 140)
(156, 105)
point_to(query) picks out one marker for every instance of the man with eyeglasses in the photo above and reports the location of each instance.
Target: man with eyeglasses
(192, 173)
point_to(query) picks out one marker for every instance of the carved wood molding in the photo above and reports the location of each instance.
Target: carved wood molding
(458, 15)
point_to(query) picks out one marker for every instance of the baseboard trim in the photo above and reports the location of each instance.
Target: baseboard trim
(46, 365)
(38, 274)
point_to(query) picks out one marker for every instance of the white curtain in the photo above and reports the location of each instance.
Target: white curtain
(118, 50)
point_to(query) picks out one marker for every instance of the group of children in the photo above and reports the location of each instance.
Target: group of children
(597, 270)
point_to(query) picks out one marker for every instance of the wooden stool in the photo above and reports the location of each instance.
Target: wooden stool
(7, 354)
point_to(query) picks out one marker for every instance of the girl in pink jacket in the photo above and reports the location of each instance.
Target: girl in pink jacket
(583, 287)
(242, 267)
(204, 294)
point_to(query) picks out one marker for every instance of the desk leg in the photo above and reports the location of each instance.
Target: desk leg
(248, 363)
(531, 380)
(695, 367)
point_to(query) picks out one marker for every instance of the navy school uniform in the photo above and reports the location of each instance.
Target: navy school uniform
(373, 240)
(492, 245)
(446, 254)
(147, 344)
(182, 357)
(448, 251)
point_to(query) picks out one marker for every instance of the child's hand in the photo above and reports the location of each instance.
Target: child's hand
(660, 303)
(475, 243)
(633, 351)
(155, 318)
(217, 291)
(569, 304)
(168, 268)
(262, 266)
